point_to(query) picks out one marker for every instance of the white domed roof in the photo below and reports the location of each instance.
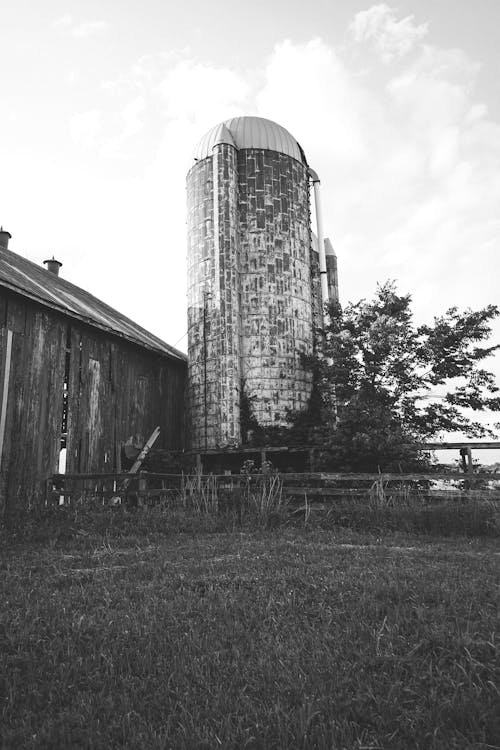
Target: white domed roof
(249, 132)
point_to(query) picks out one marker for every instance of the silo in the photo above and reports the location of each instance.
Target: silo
(252, 277)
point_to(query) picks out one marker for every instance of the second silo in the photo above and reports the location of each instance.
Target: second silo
(253, 279)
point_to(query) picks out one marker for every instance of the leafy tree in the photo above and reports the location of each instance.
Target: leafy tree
(384, 385)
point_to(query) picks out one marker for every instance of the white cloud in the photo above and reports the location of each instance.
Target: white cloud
(410, 169)
(85, 127)
(333, 107)
(409, 162)
(132, 124)
(79, 30)
(89, 28)
(391, 38)
(63, 22)
(72, 77)
(153, 118)
(197, 92)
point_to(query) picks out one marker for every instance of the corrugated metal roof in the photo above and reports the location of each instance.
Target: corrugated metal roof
(250, 132)
(30, 280)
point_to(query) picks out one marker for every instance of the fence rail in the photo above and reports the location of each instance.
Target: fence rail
(154, 487)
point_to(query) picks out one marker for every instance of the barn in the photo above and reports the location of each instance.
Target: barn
(75, 376)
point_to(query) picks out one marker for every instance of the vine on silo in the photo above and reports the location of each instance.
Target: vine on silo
(248, 421)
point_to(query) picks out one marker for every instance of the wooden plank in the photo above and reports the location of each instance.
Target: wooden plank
(299, 477)
(35, 411)
(256, 449)
(5, 391)
(16, 314)
(254, 478)
(75, 386)
(97, 476)
(347, 477)
(324, 491)
(482, 445)
(352, 477)
(112, 493)
(93, 421)
(144, 452)
(310, 492)
(327, 491)
(139, 460)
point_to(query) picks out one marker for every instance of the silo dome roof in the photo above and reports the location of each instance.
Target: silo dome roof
(250, 132)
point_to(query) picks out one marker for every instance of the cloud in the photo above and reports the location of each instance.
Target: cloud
(409, 161)
(333, 106)
(391, 38)
(79, 30)
(155, 114)
(85, 127)
(89, 28)
(410, 167)
(63, 22)
(193, 91)
(132, 124)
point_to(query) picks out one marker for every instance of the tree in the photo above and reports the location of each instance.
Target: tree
(384, 385)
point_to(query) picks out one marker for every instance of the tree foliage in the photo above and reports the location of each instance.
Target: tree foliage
(384, 385)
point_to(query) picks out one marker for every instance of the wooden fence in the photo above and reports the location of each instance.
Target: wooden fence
(151, 488)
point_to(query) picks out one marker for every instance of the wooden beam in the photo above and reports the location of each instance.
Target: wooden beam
(430, 446)
(137, 464)
(5, 392)
(491, 445)
(454, 492)
(324, 476)
(144, 452)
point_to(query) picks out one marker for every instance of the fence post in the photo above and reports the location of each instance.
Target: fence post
(466, 455)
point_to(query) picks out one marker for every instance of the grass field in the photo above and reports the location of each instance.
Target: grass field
(291, 638)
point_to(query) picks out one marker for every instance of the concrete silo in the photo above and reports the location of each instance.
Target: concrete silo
(254, 279)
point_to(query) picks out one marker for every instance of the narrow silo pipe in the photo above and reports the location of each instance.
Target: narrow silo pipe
(325, 297)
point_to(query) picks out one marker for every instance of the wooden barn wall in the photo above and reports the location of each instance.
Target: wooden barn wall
(115, 390)
(31, 399)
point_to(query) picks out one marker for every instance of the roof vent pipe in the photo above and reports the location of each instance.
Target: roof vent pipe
(4, 238)
(53, 265)
(325, 297)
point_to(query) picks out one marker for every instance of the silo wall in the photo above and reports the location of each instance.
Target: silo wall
(213, 316)
(250, 291)
(276, 287)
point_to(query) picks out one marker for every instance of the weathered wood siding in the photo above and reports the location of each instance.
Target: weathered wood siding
(115, 389)
(33, 390)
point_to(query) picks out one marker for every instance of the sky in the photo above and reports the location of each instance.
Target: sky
(396, 106)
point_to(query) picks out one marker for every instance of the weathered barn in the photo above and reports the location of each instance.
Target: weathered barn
(74, 374)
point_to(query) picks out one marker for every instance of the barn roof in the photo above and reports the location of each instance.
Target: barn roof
(32, 281)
